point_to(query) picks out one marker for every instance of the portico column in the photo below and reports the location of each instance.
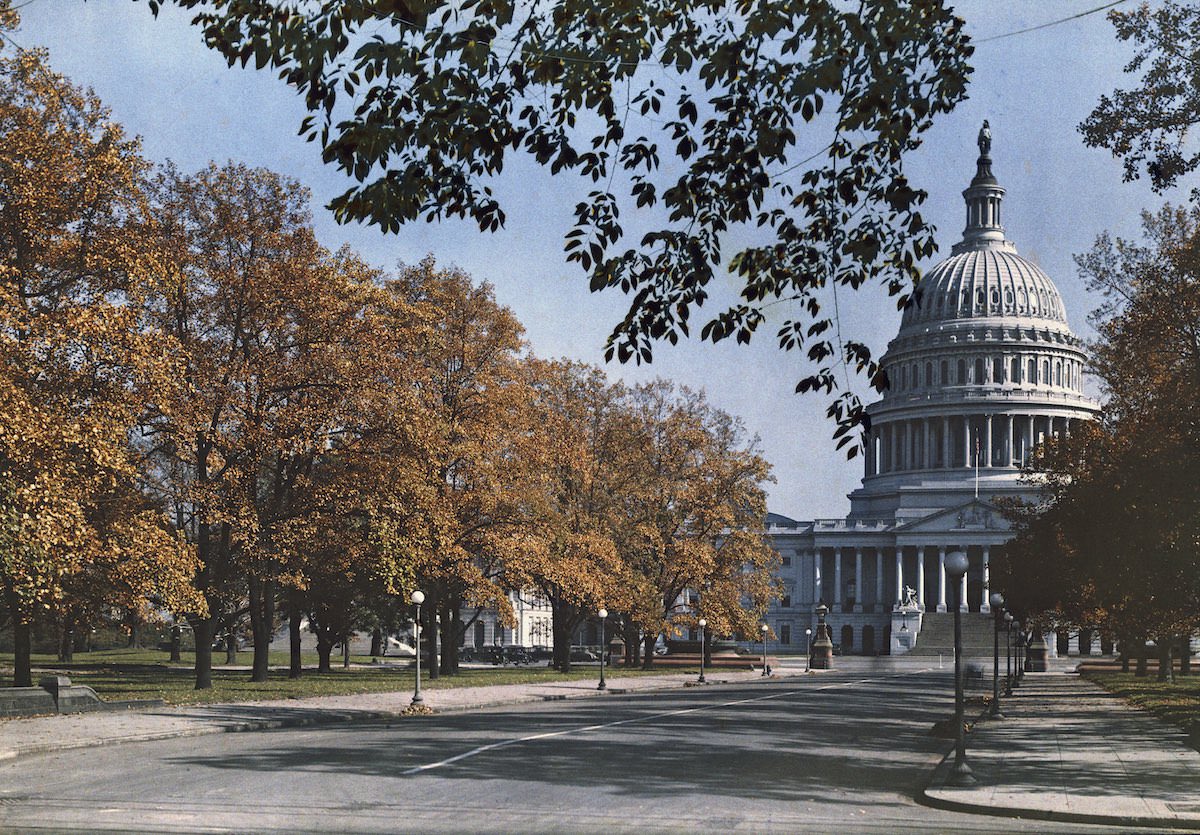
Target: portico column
(941, 604)
(1032, 441)
(879, 580)
(817, 597)
(987, 423)
(921, 577)
(837, 579)
(858, 580)
(967, 441)
(984, 603)
(899, 575)
(895, 456)
(1010, 454)
(928, 443)
(945, 442)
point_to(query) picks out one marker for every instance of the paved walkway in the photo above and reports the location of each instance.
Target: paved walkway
(1067, 750)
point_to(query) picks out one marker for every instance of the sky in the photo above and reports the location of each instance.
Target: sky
(1035, 87)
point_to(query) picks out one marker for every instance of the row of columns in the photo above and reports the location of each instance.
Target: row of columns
(1036, 370)
(818, 590)
(1003, 440)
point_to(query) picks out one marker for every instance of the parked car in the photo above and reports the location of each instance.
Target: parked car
(581, 654)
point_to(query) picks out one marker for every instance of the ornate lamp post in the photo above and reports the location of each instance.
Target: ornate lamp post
(997, 601)
(821, 652)
(603, 613)
(960, 774)
(1019, 661)
(702, 623)
(807, 649)
(1008, 623)
(418, 597)
(766, 670)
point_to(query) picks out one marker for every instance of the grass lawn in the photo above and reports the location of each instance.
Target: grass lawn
(1178, 703)
(147, 674)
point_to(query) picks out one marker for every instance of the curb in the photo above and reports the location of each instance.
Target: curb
(332, 718)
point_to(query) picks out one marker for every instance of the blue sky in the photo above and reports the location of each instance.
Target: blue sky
(1034, 88)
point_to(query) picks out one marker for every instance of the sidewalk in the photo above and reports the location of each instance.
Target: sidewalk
(20, 737)
(1068, 751)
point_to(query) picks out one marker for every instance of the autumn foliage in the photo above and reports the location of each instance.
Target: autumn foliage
(209, 418)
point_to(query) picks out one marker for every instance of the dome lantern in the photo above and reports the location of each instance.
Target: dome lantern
(983, 198)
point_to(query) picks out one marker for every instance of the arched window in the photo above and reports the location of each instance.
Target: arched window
(979, 298)
(945, 370)
(928, 374)
(1058, 374)
(995, 299)
(979, 376)
(1045, 372)
(1016, 370)
(903, 377)
(997, 369)
(847, 638)
(1031, 377)
(962, 372)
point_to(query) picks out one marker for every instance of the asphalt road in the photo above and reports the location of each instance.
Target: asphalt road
(831, 753)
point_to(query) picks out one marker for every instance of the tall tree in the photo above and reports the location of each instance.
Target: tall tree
(689, 118)
(262, 316)
(1120, 540)
(692, 516)
(75, 373)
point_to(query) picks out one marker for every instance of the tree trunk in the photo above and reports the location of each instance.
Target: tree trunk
(377, 643)
(1124, 642)
(176, 640)
(648, 642)
(633, 639)
(324, 649)
(22, 653)
(66, 643)
(294, 619)
(1165, 662)
(262, 625)
(231, 647)
(346, 653)
(1185, 656)
(203, 631)
(561, 639)
(429, 633)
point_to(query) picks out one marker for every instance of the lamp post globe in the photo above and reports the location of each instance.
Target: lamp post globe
(417, 598)
(603, 615)
(702, 623)
(960, 774)
(997, 601)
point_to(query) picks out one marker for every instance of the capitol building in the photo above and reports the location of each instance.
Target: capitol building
(983, 369)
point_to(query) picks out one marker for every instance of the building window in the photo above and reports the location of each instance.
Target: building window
(786, 600)
(785, 633)
(928, 374)
(1045, 372)
(945, 372)
(786, 560)
(1016, 370)
(997, 369)
(1032, 376)
(962, 372)
(979, 376)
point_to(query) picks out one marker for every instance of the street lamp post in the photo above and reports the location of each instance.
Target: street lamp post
(766, 670)
(702, 623)
(1019, 661)
(997, 601)
(603, 613)
(1008, 653)
(960, 774)
(807, 649)
(418, 597)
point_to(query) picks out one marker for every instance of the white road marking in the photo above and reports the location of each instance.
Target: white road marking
(585, 728)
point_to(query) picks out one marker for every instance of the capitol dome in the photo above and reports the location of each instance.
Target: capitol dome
(991, 282)
(984, 366)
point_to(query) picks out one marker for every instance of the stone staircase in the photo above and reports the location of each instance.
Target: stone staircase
(937, 636)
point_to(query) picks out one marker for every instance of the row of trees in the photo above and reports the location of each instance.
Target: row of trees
(206, 413)
(1117, 546)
